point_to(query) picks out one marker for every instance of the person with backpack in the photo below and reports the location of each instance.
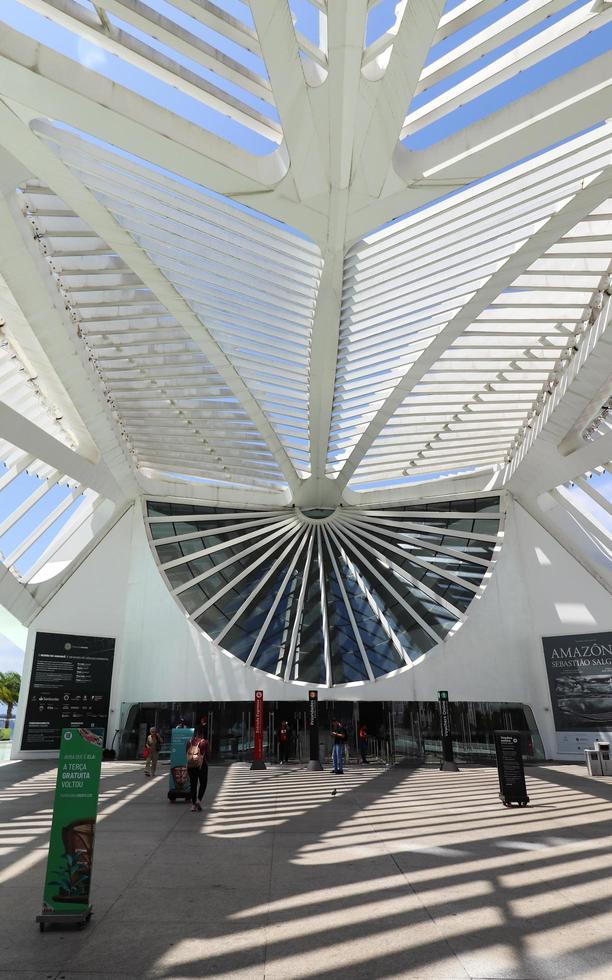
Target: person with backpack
(284, 737)
(153, 745)
(198, 754)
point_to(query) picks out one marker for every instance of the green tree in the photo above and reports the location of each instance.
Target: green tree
(9, 690)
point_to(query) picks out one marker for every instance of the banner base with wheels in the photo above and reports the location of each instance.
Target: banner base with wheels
(75, 809)
(64, 919)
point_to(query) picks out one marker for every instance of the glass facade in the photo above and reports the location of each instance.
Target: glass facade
(397, 730)
(327, 596)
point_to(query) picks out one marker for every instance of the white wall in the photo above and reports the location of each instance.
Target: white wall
(537, 589)
(90, 603)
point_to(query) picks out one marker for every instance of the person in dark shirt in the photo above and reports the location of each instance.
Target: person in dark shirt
(198, 754)
(284, 736)
(363, 743)
(339, 740)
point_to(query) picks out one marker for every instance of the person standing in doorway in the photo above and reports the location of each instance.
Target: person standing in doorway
(284, 737)
(363, 743)
(198, 754)
(339, 739)
(153, 745)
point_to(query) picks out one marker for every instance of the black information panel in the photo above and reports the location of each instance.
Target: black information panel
(70, 687)
(512, 788)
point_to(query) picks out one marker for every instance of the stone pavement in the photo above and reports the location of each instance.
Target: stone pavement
(408, 873)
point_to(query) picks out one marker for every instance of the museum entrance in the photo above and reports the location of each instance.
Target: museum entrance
(396, 730)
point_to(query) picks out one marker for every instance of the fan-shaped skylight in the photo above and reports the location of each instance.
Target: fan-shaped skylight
(342, 596)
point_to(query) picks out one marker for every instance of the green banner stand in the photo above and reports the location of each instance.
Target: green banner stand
(70, 860)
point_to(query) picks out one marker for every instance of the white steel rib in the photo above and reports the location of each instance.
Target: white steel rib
(272, 256)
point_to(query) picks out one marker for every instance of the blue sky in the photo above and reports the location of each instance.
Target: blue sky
(380, 19)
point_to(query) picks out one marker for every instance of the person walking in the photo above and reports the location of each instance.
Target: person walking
(153, 745)
(284, 737)
(339, 739)
(198, 754)
(363, 743)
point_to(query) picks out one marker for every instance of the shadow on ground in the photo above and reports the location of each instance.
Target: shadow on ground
(401, 874)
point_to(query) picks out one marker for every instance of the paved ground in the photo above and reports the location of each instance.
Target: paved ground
(402, 874)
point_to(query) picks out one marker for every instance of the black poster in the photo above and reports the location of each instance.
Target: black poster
(579, 671)
(445, 727)
(313, 721)
(510, 768)
(69, 687)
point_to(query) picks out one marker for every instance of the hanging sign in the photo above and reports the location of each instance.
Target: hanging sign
(70, 860)
(510, 770)
(258, 715)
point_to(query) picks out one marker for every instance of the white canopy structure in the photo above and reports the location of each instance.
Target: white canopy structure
(300, 261)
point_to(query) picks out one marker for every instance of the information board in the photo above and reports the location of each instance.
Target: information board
(510, 770)
(69, 687)
(579, 669)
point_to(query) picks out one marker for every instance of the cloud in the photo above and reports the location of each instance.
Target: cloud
(90, 55)
(11, 657)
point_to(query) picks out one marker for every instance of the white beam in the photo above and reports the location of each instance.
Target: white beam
(57, 87)
(554, 520)
(16, 598)
(546, 458)
(22, 433)
(597, 497)
(51, 346)
(40, 159)
(40, 529)
(132, 50)
(388, 96)
(569, 104)
(278, 42)
(346, 26)
(551, 231)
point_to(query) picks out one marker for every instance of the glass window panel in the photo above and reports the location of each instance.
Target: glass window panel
(309, 655)
(165, 530)
(193, 598)
(274, 648)
(346, 660)
(169, 552)
(241, 637)
(179, 575)
(380, 650)
(229, 603)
